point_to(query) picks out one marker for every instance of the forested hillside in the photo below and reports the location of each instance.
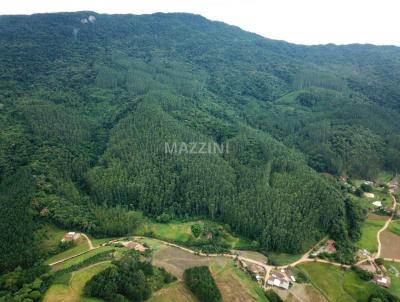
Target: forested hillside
(88, 101)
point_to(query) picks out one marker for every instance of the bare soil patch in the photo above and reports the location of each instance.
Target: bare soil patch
(390, 245)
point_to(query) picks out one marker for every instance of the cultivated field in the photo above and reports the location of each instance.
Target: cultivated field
(390, 245)
(235, 285)
(176, 260)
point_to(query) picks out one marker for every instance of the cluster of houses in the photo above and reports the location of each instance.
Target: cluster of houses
(378, 270)
(282, 278)
(279, 278)
(328, 247)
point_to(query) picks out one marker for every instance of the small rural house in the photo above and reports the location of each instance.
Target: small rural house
(383, 281)
(377, 203)
(369, 195)
(329, 247)
(71, 236)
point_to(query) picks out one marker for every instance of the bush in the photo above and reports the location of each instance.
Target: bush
(273, 296)
(197, 229)
(164, 218)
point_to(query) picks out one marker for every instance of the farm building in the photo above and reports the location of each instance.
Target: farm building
(71, 236)
(383, 281)
(279, 280)
(134, 246)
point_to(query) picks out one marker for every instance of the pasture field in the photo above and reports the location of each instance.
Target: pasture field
(369, 231)
(336, 284)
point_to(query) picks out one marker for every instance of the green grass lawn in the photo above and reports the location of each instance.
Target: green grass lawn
(335, 284)
(395, 288)
(368, 239)
(394, 227)
(74, 289)
(282, 258)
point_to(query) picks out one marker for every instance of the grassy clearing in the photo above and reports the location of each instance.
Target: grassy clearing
(368, 239)
(282, 258)
(392, 267)
(72, 292)
(335, 284)
(181, 232)
(50, 237)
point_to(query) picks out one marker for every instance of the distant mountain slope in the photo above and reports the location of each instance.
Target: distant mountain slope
(88, 103)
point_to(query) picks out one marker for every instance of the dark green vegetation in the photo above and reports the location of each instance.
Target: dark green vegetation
(128, 280)
(273, 296)
(202, 284)
(86, 110)
(25, 285)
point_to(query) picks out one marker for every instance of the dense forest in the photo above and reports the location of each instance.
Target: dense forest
(87, 107)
